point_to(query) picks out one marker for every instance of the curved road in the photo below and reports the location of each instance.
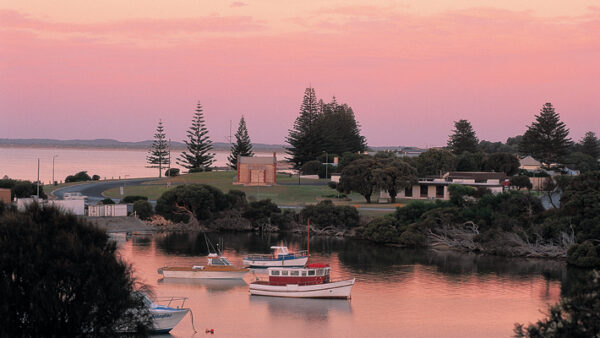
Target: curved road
(94, 190)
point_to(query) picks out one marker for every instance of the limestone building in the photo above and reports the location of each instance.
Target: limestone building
(257, 170)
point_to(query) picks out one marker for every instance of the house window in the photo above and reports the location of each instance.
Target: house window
(439, 191)
(408, 191)
(424, 189)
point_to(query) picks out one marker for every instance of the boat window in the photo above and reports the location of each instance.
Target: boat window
(294, 273)
(319, 272)
(284, 273)
(303, 273)
(275, 273)
(311, 272)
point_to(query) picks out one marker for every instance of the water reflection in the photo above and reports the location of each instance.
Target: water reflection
(212, 285)
(307, 309)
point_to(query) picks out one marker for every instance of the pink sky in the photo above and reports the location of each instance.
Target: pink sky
(111, 69)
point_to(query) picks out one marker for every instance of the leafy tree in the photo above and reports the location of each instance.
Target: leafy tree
(143, 209)
(521, 182)
(21, 189)
(339, 130)
(172, 172)
(304, 138)
(349, 157)
(95, 177)
(576, 315)
(358, 176)
(580, 203)
(463, 138)
(394, 177)
(242, 145)
(468, 161)
(198, 155)
(60, 277)
(311, 167)
(381, 230)
(496, 147)
(503, 162)
(191, 202)
(107, 201)
(133, 198)
(546, 139)
(158, 155)
(435, 161)
(81, 176)
(260, 212)
(514, 142)
(326, 214)
(590, 145)
(581, 161)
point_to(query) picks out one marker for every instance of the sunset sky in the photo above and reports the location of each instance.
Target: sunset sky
(113, 68)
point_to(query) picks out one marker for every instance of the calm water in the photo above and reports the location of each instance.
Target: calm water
(398, 292)
(21, 163)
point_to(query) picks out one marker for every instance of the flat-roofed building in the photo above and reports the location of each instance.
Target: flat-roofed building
(257, 170)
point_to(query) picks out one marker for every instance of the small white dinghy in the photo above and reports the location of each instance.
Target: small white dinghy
(165, 317)
(310, 282)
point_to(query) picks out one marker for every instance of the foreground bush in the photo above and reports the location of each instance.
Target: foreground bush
(59, 277)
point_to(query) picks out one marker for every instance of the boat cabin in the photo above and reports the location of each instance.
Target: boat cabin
(280, 251)
(310, 275)
(215, 260)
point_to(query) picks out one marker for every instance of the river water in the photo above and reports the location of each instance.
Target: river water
(398, 292)
(22, 163)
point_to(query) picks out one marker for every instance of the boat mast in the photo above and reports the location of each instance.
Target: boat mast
(308, 241)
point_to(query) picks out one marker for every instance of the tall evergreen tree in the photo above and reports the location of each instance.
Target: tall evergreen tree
(242, 145)
(198, 156)
(339, 130)
(590, 145)
(304, 139)
(463, 138)
(546, 139)
(158, 155)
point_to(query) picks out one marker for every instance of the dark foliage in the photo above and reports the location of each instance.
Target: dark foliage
(521, 182)
(198, 200)
(311, 167)
(95, 177)
(435, 162)
(358, 176)
(197, 157)
(394, 175)
(468, 161)
(242, 145)
(81, 176)
(60, 277)
(172, 172)
(590, 145)
(158, 154)
(502, 162)
(326, 214)
(107, 201)
(143, 209)
(21, 189)
(496, 147)
(133, 198)
(463, 138)
(547, 138)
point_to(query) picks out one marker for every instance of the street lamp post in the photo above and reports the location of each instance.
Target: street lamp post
(53, 157)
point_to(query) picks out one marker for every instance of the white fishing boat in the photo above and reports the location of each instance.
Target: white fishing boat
(312, 281)
(280, 257)
(218, 267)
(166, 317)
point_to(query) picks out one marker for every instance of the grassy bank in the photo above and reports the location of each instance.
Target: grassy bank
(287, 192)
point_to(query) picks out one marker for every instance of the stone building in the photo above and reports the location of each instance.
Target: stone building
(257, 170)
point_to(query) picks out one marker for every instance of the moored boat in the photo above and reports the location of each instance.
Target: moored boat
(312, 281)
(281, 256)
(218, 267)
(165, 317)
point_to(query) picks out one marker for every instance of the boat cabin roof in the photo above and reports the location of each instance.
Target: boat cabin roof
(213, 259)
(308, 271)
(280, 250)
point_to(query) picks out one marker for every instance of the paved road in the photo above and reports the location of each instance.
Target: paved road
(94, 190)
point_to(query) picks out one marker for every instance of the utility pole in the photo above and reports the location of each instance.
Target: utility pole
(38, 179)
(53, 157)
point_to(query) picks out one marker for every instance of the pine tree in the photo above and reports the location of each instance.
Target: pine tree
(242, 145)
(304, 139)
(339, 130)
(463, 138)
(590, 145)
(546, 139)
(198, 156)
(158, 155)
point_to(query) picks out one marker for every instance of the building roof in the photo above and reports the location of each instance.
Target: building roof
(475, 175)
(529, 161)
(258, 159)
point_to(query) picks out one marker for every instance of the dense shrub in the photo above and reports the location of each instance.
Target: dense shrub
(143, 209)
(21, 189)
(311, 167)
(325, 214)
(81, 176)
(172, 172)
(198, 200)
(107, 201)
(96, 178)
(133, 198)
(380, 229)
(521, 182)
(332, 185)
(60, 277)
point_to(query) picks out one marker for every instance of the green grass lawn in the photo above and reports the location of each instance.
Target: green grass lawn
(282, 193)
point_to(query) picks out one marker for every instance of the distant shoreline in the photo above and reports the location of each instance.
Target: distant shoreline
(112, 147)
